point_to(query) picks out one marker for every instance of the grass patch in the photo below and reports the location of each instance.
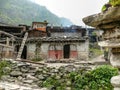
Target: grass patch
(37, 59)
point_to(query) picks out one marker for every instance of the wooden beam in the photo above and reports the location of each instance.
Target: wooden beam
(4, 45)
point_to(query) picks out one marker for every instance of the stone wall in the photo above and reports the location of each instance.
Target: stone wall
(33, 75)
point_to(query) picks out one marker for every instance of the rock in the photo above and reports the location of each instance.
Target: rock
(23, 64)
(5, 77)
(32, 71)
(28, 81)
(57, 77)
(20, 78)
(54, 71)
(43, 89)
(11, 79)
(70, 68)
(112, 15)
(40, 77)
(29, 77)
(2, 88)
(52, 74)
(15, 68)
(68, 83)
(15, 86)
(44, 72)
(34, 86)
(39, 83)
(39, 70)
(6, 69)
(115, 60)
(24, 69)
(16, 73)
(115, 81)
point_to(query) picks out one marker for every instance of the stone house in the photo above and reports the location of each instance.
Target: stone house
(60, 43)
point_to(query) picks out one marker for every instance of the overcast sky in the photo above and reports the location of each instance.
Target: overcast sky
(74, 10)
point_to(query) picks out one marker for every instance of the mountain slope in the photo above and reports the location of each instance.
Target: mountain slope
(25, 11)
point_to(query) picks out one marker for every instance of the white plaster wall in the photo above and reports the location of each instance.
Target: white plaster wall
(83, 49)
(44, 50)
(31, 51)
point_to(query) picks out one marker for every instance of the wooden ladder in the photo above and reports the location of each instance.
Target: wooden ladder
(22, 46)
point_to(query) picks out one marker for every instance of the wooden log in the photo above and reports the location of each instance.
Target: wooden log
(7, 34)
(4, 45)
(29, 61)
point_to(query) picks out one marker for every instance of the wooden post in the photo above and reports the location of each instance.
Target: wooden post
(7, 49)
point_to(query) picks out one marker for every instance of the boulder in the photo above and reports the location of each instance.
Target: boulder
(2, 88)
(112, 15)
(115, 81)
(115, 60)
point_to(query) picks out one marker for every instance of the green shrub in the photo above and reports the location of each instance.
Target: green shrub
(4, 64)
(114, 2)
(102, 76)
(97, 79)
(51, 82)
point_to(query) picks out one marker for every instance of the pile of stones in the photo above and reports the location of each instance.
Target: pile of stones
(33, 76)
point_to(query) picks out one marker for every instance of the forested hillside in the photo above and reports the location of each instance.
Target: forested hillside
(26, 11)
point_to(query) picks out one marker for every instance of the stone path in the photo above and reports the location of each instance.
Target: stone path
(14, 86)
(99, 58)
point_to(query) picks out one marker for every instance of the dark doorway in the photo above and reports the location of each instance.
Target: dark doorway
(66, 51)
(24, 53)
